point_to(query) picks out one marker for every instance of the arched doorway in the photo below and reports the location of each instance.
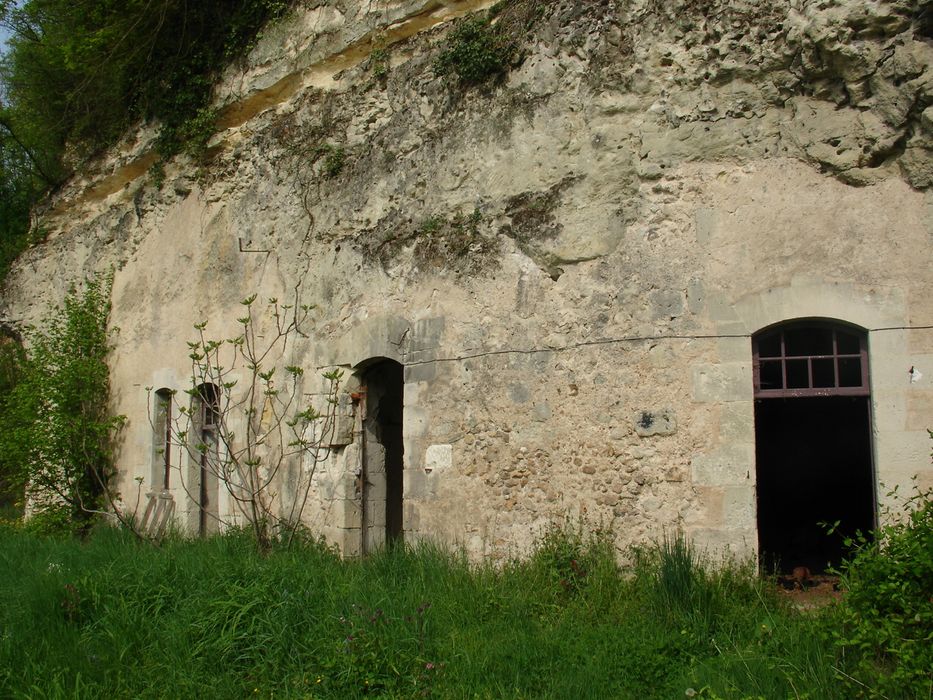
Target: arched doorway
(382, 460)
(813, 448)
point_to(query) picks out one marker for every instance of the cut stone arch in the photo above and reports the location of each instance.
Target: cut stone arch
(726, 472)
(380, 337)
(813, 447)
(874, 308)
(381, 470)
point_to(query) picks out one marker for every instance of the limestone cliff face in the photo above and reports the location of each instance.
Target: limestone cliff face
(592, 237)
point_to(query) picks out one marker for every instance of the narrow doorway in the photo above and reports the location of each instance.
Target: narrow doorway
(382, 468)
(813, 447)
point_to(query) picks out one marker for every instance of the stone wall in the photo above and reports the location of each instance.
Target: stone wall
(569, 261)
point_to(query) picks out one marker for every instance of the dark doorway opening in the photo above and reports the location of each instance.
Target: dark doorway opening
(382, 454)
(812, 444)
(814, 466)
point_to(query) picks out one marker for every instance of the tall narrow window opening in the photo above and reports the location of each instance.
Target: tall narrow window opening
(162, 440)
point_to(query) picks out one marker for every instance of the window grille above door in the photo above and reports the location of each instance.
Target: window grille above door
(810, 359)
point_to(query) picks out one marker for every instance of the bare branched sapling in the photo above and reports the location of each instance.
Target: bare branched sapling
(249, 428)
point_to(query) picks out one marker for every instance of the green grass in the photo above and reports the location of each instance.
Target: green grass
(112, 617)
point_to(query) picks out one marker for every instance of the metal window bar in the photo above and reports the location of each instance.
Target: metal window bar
(861, 389)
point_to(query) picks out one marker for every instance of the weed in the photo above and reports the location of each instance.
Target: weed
(214, 618)
(379, 63)
(475, 53)
(449, 244)
(334, 161)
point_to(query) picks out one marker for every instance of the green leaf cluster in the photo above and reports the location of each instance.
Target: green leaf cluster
(56, 431)
(20, 187)
(482, 48)
(476, 53)
(887, 612)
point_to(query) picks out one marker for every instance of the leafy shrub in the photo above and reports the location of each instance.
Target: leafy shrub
(887, 613)
(475, 54)
(568, 555)
(55, 429)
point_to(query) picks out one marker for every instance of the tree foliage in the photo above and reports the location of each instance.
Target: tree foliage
(20, 186)
(78, 73)
(56, 432)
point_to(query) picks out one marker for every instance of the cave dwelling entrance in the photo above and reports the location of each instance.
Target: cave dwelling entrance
(813, 449)
(381, 472)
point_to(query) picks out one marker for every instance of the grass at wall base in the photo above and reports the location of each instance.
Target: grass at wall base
(112, 616)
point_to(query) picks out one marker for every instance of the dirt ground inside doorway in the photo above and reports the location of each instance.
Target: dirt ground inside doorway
(813, 592)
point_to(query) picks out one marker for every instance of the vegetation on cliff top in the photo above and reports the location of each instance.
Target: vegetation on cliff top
(79, 72)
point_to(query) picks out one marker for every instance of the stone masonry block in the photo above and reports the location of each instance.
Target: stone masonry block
(739, 507)
(723, 382)
(427, 333)
(732, 465)
(719, 542)
(734, 349)
(706, 220)
(423, 372)
(737, 422)
(349, 513)
(438, 458)
(419, 485)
